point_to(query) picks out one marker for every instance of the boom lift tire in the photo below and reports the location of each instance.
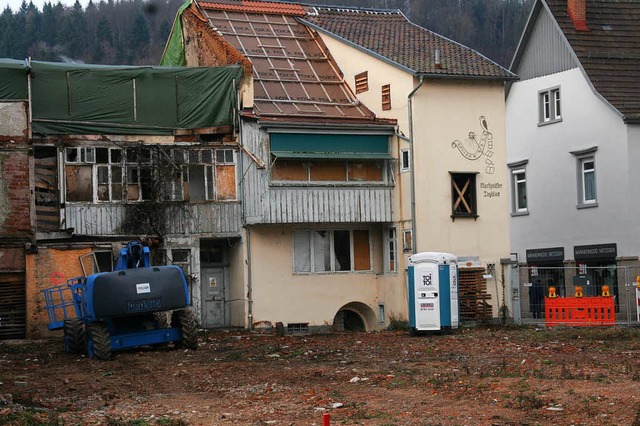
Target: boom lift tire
(186, 322)
(74, 336)
(160, 319)
(99, 343)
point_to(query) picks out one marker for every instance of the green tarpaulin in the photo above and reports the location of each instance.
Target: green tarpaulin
(174, 50)
(90, 99)
(13, 80)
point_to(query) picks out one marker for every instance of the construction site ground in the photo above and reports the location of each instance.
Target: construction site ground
(474, 376)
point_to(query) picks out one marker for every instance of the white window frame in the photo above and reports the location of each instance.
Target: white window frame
(390, 249)
(582, 158)
(583, 178)
(331, 245)
(549, 106)
(405, 154)
(516, 191)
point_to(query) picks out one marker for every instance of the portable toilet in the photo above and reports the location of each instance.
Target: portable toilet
(433, 292)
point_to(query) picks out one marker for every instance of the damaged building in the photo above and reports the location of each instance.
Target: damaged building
(95, 156)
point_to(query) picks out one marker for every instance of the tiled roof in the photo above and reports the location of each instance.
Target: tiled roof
(390, 35)
(294, 78)
(610, 51)
(255, 7)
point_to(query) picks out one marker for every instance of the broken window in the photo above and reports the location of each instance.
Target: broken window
(331, 251)
(328, 170)
(138, 174)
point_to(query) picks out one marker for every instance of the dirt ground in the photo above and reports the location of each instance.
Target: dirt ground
(479, 376)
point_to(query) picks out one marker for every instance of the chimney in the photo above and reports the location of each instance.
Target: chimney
(577, 10)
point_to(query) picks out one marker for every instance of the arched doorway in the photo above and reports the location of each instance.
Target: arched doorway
(354, 316)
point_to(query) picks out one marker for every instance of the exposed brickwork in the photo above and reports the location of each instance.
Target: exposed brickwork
(577, 10)
(14, 194)
(44, 269)
(209, 48)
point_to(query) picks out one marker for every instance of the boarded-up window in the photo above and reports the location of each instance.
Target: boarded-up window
(79, 183)
(362, 82)
(328, 171)
(463, 195)
(386, 97)
(370, 171)
(226, 182)
(361, 251)
(290, 170)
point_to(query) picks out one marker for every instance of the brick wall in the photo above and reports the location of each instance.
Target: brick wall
(15, 201)
(47, 268)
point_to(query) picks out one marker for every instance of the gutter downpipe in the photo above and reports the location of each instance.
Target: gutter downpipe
(243, 219)
(414, 244)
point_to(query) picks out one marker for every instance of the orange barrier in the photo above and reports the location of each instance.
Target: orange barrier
(579, 311)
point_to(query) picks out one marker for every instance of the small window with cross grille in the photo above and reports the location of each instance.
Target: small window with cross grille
(463, 195)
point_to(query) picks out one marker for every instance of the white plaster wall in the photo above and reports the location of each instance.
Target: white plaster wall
(13, 119)
(552, 186)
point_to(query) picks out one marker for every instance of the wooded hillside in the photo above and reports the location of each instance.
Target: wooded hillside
(135, 31)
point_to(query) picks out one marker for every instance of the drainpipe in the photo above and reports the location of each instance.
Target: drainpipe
(243, 215)
(414, 242)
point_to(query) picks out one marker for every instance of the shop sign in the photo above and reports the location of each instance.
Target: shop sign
(596, 251)
(553, 254)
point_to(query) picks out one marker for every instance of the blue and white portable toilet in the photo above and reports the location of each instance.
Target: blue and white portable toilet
(433, 292)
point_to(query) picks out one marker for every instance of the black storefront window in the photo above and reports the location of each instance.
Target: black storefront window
(546, 269)
(596, 266)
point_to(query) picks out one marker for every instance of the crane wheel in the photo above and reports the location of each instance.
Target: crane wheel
(186, 322)
(74, 336)
(99, 343)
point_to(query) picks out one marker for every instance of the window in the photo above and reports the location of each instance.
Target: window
(386, 97)
(331, 251)
(139, 173)
(362, 82)
(381, 315)
(588, 180)
(586, 172)
(391, 250)
(549, 106)
(519, 191)
(407, 240)
(405, 163)
(463, 195)
(328, 170)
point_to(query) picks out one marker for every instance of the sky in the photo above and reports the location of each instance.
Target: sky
(15, 4)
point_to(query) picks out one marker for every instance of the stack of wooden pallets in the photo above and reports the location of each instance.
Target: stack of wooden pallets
(474, 299)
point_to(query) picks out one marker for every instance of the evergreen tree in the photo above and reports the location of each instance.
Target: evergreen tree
(139, 36)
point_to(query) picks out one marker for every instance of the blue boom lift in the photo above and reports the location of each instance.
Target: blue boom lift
(125, 308)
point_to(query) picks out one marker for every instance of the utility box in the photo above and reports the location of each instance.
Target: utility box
(433, 292)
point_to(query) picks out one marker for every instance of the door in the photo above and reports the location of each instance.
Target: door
(213, 274)
(213, 285)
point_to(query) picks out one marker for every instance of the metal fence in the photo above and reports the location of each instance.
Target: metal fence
(530, 285)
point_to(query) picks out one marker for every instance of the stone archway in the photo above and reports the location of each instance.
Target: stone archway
(355, 316)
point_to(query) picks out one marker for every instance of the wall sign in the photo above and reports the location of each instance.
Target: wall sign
(596, 251)
(553, 254)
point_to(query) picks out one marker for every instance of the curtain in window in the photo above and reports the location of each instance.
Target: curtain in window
(301, 252)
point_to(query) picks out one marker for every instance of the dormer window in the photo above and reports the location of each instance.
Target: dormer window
(549, 106)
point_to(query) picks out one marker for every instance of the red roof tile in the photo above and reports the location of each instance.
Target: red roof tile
(390, 34)
(255, 7)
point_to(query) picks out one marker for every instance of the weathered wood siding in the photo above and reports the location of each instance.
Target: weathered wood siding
(547, 51)
(270, 204)
(219, 219)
